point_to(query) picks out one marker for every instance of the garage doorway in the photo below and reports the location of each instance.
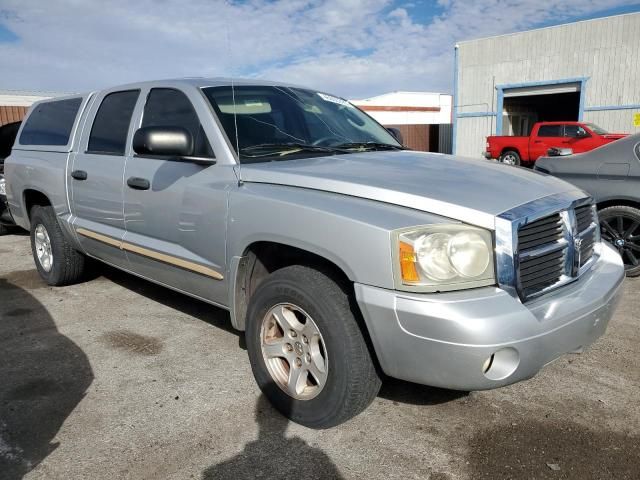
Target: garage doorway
(522, 106)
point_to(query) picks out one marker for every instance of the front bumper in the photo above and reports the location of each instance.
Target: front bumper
(484, 338)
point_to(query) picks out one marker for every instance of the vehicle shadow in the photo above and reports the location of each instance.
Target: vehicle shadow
(43, 377)
(273, 455)
(17, 231)
(214, 316)
(415, 394)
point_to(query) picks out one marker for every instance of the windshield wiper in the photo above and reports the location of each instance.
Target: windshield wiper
(370, 146)
(281, 149)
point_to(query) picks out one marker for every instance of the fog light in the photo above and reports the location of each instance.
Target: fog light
(499, 365)
(487, 364)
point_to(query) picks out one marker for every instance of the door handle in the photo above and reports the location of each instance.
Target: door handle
(138, 183)
(537, 141)
(79, 174)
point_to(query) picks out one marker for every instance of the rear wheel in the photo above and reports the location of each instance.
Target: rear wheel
(307, 351)
(620, 225)
(510, 157)
(58, 263)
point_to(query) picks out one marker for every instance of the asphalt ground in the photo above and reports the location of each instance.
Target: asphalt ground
(120, 378)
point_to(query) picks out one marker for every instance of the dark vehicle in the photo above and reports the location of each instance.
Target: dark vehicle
(8, 134)
(611, 174)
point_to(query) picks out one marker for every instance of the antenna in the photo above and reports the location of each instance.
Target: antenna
(233, 90)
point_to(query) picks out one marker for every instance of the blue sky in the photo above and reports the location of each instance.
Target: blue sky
(355, 48)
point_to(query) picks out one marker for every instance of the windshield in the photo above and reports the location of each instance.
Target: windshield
(279, 123)
(596, 129)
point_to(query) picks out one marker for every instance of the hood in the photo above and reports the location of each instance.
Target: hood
(469, 190)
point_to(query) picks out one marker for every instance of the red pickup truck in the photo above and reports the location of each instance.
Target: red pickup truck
(578, 136)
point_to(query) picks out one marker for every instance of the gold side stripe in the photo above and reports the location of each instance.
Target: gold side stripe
(114, 242)
(194, 267)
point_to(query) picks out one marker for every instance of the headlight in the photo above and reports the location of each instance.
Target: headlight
(443, 257)
(3, 186)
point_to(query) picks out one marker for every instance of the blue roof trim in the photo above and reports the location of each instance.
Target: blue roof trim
(476, 114)
(542, 83)
(612, 107)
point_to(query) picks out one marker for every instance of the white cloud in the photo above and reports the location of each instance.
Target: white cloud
(352, 47)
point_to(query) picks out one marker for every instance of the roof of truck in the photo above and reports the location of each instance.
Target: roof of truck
(203, 82)
(197, 82)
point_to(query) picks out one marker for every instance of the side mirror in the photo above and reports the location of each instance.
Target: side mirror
(176, 142)
(559, 152)
(163, 141)
(396, 134)
(582, 134)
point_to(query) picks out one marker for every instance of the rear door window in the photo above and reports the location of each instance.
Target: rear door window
(50, 123)
(111, 125)
(574, 131)
(168, 107)
(550, 131)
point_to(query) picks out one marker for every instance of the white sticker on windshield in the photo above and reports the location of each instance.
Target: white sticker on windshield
(332, 99)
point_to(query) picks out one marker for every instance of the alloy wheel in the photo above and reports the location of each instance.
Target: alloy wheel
(43, 247)
(294, 351)
(622, 232)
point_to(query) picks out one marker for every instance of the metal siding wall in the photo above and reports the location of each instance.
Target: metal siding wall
(11, 114)
(473, 130)
(605, 50)
(616, 121)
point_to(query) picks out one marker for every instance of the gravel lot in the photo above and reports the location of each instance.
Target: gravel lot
(119, 378)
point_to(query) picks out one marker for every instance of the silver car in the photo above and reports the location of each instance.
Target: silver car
(342, 255)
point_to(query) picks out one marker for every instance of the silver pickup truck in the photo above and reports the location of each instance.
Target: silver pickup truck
(341, 255)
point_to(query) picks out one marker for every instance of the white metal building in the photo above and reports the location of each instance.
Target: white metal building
(586, 71)
(408, 108)
(424, 118)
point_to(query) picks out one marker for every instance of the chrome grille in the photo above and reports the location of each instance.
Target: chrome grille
(586, 247)
(542, 253)
(546, 243)
(586, 228)
(584, 217)
(540, 232)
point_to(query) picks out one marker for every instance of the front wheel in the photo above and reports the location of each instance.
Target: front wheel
(620, 226)
(510, 157)
(307, 351)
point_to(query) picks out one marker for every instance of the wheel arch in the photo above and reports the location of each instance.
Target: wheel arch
(32, 197)
(510, 149)
(618, 202)
(261, 258)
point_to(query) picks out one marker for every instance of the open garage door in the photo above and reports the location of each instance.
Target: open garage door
(525, 106)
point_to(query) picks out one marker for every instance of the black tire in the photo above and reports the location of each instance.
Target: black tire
(68, 264)
(618, 225)
(352, 381)
(510, 157)
(3, 230)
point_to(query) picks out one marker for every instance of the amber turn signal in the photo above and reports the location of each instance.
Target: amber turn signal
(408, 263)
